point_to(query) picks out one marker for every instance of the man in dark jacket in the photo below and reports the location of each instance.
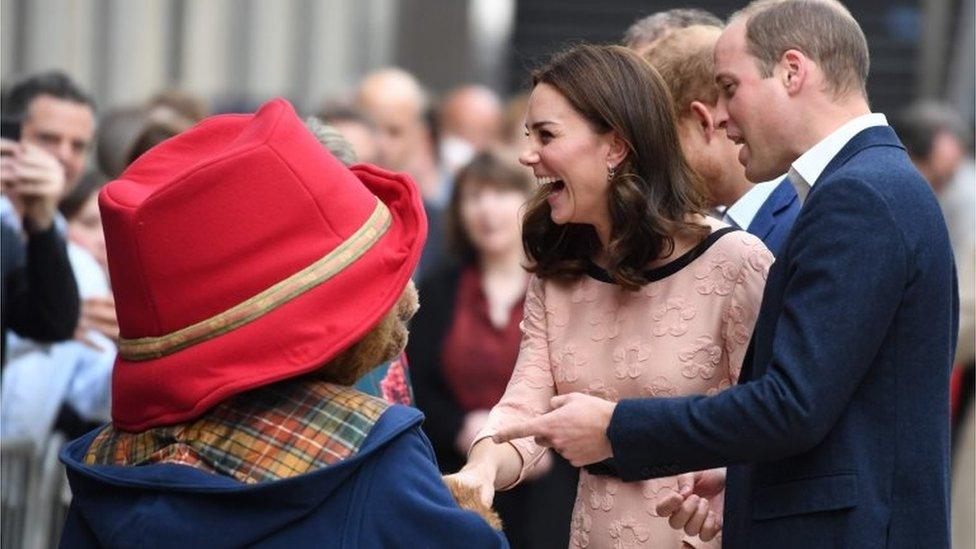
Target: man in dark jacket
(40, 297)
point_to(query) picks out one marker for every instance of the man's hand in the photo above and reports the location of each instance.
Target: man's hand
(34, 181)
(698, 504)
(576, 428)
(97, 313)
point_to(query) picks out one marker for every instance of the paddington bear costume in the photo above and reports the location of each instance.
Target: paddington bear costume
(247, 262)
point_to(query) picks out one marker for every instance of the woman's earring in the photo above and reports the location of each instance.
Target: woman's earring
(611, 173)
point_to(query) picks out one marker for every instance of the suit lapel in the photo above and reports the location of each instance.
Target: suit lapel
(780, 199)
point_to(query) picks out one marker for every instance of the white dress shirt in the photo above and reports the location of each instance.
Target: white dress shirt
(807, 169)
(744, 210)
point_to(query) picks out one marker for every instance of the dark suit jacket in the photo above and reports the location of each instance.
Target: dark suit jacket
(775, 217)
(838, 434)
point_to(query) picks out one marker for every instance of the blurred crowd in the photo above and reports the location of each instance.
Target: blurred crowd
(60, 146)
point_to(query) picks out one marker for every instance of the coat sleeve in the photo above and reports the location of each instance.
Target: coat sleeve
(847, 273)
(408, 505)
(41, 297)
(739, 316)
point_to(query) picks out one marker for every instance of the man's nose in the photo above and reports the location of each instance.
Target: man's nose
(721, 113)
(63, 151)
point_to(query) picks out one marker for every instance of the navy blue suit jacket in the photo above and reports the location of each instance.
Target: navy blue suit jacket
(775, 217)
(838, 433)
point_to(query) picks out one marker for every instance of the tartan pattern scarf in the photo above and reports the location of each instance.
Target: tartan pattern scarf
(274, 432)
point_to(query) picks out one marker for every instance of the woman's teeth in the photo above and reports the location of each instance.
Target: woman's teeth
(545, 180)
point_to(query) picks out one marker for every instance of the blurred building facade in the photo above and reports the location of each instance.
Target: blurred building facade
(239, 52)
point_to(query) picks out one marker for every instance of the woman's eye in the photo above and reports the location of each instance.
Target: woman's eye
(545, 136)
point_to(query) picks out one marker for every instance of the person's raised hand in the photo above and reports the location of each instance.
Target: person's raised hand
(697, 505)
(576, 428)
(34, 181)
(97, 313)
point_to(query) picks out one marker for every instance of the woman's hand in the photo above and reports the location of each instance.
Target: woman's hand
(480, 478)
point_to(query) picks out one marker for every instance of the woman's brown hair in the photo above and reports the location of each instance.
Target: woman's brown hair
(486, 169)
(653, 190)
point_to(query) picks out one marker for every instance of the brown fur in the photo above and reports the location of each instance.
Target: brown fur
(468, 498)
(384, 342)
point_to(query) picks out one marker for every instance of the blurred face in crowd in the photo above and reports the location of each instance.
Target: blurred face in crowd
(362, 138)
(491, 216)
(63, 128)
(399, 132)
(85, 230)
(943, 161)
(474, 114)
(567, 156)
(753, 110)
(394, 102)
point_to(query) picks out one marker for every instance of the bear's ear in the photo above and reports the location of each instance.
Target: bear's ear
(367, 353)
(381, 344)
(467, 498)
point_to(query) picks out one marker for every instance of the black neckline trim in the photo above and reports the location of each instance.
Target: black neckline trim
(664, 271)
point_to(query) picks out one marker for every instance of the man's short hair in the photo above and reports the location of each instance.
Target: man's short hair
(919, 124)
(53, 83)
(332, 139)
(651, 28)
(685, 60)
(823, 30)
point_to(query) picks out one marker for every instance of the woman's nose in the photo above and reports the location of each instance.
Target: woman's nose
(529, 156)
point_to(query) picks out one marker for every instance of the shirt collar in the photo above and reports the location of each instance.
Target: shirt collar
(742, 212)
(807, 169)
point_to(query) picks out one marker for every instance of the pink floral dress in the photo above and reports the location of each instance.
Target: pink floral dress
(685, 333)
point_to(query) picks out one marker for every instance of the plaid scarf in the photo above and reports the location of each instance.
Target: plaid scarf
(274, 432)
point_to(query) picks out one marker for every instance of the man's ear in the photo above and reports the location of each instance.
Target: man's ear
(704, 120)
(794, 70)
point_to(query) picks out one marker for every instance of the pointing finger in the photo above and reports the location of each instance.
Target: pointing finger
(529, 428)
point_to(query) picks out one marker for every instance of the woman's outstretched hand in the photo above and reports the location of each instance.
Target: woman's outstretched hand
(478, 478)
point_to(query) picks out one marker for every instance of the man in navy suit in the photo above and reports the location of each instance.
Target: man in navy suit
(768, 211)
(838, 433)
(684, 58)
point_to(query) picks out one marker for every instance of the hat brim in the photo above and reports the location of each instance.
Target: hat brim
(296, 338)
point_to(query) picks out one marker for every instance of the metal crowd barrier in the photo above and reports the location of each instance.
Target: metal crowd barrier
(34, 495)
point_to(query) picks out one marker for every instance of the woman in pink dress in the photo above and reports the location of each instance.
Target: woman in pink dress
(635, 292)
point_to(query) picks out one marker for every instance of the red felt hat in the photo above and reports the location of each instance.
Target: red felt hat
(242, 253)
